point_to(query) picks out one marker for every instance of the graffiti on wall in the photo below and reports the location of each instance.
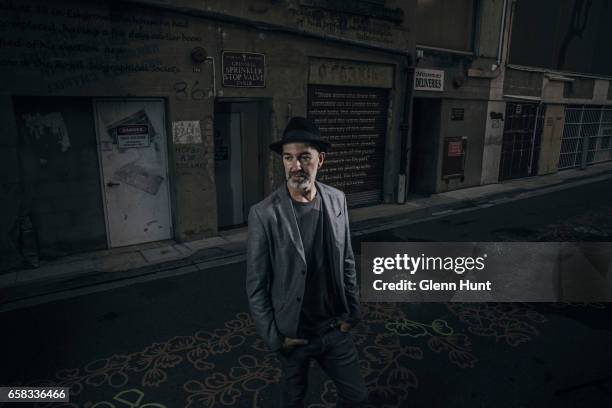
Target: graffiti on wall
(189, 157)
(346, 25)
(72, 47)
(188, 149)
(48, 124)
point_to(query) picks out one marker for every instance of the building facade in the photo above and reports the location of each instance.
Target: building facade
(559, 50)
(521, 88)
(456, 46)
(132, 121)
(135, 121)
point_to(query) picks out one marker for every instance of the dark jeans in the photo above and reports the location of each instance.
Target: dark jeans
(335, 352)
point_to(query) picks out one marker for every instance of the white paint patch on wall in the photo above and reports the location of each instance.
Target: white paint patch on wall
(186, 132)
(494, 134)
(52, 123)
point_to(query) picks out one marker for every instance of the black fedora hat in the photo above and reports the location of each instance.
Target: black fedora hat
(301, 130)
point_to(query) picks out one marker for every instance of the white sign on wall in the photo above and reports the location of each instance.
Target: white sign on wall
(186, 132)
(428, 80)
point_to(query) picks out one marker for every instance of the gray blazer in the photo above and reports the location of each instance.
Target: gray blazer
(275, 262)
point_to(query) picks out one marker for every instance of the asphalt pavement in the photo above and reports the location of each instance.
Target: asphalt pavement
(187, 340)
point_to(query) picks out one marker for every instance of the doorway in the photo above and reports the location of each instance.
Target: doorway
(59, 173)
(425, 145)
(133, 152)
(242, 129)
(521, 141)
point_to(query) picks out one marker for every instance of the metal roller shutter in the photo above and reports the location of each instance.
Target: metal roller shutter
(354, 121)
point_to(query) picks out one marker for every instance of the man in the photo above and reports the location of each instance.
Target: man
(301, 280)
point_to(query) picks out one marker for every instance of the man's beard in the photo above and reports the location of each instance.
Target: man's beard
(299, 183)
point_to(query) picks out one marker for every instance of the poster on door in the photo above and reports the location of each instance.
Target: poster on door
(132, 131)
(132, 136)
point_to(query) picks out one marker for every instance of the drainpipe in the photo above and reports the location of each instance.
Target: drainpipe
(533, 135)
(406, 135)
(585, 142)
(501, 33)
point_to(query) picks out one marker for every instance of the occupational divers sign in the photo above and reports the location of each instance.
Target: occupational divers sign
(428, 80)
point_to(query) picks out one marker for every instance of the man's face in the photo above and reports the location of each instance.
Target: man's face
(301, 165)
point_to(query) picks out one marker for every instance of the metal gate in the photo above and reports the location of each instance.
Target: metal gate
(582, 123)
(521, 140)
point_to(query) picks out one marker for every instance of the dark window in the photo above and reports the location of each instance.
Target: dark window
(565, 35)
(445, 24)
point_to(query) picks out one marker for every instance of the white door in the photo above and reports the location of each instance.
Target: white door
(134, 170)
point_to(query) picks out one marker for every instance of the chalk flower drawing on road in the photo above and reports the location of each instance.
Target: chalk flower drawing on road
(509, 322)
(230, 366)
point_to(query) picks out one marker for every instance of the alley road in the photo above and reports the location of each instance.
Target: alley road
(188, 341)
(582, 213)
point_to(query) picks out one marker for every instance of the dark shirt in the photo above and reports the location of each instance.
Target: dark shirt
(318, 305)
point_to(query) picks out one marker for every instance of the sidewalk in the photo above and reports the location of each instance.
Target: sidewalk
(417, 209)
(229, 246)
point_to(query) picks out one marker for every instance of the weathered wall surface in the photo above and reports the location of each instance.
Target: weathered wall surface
(59, 169)
(555, 88)
(551, 139)
(494, 132)
(523, 83)
(472, 127)
(467, 85)
(107, 49)
(130, 49)
(289, 59)
(389, 25)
